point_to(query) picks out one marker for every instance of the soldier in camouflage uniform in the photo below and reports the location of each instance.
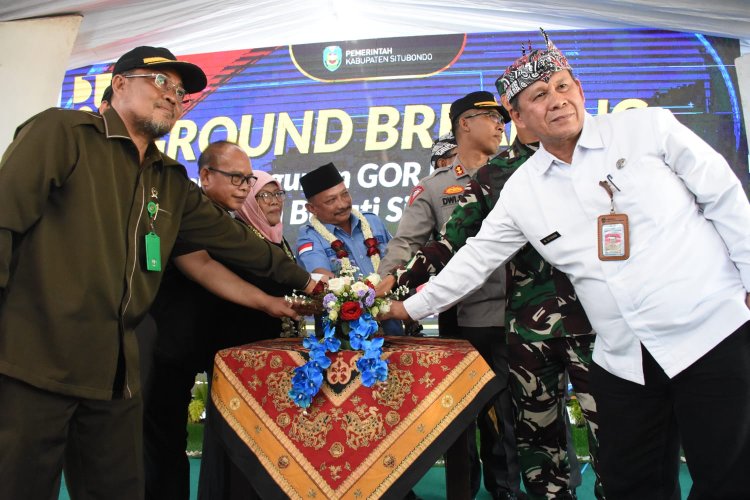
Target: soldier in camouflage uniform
(547, 332)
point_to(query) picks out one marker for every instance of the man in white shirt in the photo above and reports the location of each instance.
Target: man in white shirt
(664, 277)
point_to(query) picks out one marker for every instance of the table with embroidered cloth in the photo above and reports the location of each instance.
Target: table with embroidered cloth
(353, 441)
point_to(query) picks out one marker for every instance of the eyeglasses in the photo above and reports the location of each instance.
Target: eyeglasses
(163, 83)
(495, 117)
(266, 196)
(236, 179)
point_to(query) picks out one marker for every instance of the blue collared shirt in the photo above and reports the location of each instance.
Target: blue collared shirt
(314, 252)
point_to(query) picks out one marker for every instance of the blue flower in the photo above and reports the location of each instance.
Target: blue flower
(364, 325)
(373, 347)
(300, 398)
(310, 342)
(306, 383)
(308, 375)
(319, 360)
(372, 370)
(332, 344)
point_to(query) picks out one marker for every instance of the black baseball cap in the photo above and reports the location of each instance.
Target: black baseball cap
(193, 78)
(476, 100)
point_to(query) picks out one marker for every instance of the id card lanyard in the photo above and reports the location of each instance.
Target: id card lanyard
(612, 228)
(153, 245)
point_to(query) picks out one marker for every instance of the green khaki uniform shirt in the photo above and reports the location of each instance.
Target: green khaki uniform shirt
(73, 279)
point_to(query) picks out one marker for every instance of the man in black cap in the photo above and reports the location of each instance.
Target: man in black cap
(89, 212)
(338, 235)
(478, 126)
(362, 236)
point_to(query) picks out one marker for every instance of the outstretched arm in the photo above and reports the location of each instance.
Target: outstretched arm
(217, 279)
(497, 241)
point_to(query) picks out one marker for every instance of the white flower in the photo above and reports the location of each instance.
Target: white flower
(385, 307)
(360, 287)
(374, 311)
(333, 314)
(374, 279)
(336, 285)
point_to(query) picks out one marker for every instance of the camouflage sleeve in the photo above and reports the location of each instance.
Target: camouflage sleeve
(428, 261)
(467, 217)
(465, 222)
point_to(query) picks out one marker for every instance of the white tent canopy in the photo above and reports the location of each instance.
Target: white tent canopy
(112, 27)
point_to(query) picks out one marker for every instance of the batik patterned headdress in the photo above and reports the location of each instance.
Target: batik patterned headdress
(531, 67)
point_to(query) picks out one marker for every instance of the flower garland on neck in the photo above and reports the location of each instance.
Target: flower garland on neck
(338, 246)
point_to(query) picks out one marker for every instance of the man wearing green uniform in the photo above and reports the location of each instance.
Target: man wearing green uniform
(89, 213)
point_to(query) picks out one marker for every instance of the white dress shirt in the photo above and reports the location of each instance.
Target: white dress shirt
(683, 289)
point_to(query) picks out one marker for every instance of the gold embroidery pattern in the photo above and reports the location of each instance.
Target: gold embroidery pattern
(363, 431)
(311, 430)
(336, 450)
(335, 470)
(254, 382)
(365, 416)
(406, 359)
(250, 358)
(393, 392)
(430, 358)
(427, 380)
(392, 418)
(279, 384)
(234, 404)
(276, 362)
(283, 420)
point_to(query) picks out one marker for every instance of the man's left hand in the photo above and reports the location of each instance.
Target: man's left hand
(747, 300)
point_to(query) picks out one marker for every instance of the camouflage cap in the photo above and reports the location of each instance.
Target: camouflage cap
(537, 65)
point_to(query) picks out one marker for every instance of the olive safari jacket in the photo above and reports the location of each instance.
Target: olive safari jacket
(73, 220)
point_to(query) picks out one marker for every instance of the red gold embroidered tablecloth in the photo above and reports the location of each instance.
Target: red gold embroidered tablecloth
(353, 441)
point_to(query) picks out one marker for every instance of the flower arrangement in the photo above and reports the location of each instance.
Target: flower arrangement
(349, 308)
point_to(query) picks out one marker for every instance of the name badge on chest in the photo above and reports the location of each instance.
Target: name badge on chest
(153, 243)
(613, 232)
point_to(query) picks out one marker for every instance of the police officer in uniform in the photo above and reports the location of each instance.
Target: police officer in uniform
(478, 125)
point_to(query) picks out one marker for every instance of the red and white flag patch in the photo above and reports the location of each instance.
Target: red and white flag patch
(306, 247)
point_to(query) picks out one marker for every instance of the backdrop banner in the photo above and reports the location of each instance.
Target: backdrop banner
(373, 107)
